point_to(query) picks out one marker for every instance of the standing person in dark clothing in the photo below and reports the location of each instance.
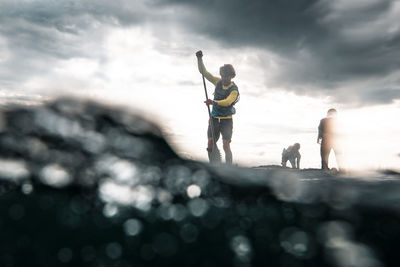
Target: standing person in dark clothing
(226, 95)
(328, 137)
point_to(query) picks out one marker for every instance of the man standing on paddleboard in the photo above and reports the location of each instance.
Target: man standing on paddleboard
(226, 95)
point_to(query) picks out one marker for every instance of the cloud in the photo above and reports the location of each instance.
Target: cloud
(35, 35)
(311, 47)
(384, 95)
(320, 45)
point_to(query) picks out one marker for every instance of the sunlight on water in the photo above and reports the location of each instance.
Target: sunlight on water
(64, 127)
(138, 196)
(13, 170)
(122, 171)
(55, 175)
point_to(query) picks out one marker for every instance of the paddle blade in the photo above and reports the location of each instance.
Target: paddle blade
(215, 155)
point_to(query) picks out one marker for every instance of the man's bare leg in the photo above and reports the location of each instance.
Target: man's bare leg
(228, 152)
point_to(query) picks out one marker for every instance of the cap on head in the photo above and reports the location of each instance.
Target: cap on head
(227, 69)
(296, 145)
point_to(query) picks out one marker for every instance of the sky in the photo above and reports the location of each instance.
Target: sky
(294, 60)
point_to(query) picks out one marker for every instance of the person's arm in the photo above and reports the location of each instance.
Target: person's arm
(319, 138)
(229, 100)
(298, 161)
(202, 69)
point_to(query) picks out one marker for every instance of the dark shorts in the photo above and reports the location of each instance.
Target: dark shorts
(223, 127)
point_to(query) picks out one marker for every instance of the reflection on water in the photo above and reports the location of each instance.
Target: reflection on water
(87, 185)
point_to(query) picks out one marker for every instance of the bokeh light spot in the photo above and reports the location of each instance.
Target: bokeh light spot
(198, 207)
(55, 175)
(193, 191)
(132, 227)
(114, 250)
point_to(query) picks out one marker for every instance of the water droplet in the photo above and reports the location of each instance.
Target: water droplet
(189, 233)
(193, 191)
(110, 210)
(132, 227)
(114, 250)
(241, 246)
(27, 188)
(198, 207)
(295, 241)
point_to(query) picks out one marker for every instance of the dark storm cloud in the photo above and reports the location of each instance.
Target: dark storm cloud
(275, 24)
(384, 95)
(322, 44)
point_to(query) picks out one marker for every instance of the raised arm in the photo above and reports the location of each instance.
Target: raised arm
(202, 69)
(298, 161)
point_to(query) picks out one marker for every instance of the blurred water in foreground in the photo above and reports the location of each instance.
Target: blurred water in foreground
(83, 184)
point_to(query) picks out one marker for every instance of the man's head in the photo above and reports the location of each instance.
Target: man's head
(296, 146)
(227, 73)
(332, 112)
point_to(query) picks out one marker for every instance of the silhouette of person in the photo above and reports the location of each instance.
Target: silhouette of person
(226, 95)
(292, 154)
(328, 137)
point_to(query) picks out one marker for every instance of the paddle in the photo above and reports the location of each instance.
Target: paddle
(215, 155)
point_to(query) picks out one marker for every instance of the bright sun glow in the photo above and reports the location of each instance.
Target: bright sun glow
(370, 137)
